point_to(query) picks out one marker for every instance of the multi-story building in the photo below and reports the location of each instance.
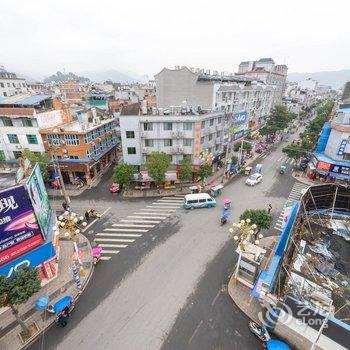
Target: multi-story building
(179, 132)
(21, 117)
(332, 156)
(10, 84)
(223, 93)
(83, 148)
(267, 71)
(72, 91)
(308, 84)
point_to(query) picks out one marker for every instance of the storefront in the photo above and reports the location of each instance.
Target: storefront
(143, 181)
(327, 169)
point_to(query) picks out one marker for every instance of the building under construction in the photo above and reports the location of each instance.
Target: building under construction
(306, 288)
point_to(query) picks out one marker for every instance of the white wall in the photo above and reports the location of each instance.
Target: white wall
(131, 123)
(49, 119)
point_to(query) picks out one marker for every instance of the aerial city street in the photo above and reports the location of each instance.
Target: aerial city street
(180, 207)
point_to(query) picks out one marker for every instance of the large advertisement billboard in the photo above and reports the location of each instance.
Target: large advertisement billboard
(236, 126)
(40, 199)
(19, 229)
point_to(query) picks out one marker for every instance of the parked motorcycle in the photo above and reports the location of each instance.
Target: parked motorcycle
(260, 331)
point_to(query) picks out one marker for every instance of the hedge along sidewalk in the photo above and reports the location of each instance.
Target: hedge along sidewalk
(62, 285)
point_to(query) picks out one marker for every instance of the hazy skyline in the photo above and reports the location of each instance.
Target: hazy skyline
(42, 37)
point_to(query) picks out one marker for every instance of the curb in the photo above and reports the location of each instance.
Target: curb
(43, 330)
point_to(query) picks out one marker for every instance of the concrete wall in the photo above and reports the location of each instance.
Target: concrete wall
(176, 86)
(131, 123)
(333, 143)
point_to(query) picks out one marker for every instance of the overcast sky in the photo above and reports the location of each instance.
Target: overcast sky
(41, 36)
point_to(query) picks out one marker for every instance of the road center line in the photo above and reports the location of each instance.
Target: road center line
(195, 331)
(93, 221)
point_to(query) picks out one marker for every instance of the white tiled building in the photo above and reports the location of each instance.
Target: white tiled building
(10, 84)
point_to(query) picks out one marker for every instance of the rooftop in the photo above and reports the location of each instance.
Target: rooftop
(24, 100)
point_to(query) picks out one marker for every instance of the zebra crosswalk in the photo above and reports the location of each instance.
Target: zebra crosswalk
(120, 235)
(294, 195)
(281, 160)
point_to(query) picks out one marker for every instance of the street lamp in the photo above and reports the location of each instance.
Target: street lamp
(69, 225)
(206, 157)
(244, 232)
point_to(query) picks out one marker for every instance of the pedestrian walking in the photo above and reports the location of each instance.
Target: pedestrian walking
(64, 205)
(62, 320)
(269, 208)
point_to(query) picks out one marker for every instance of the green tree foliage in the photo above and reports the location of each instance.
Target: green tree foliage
(185, 173)
(18, 289)
(247, 146)
(157, 164)
(43, 159)
(293, 151)
(278, 120)
(205, 171)
(123, 174)
(234, 160)
(260, 217)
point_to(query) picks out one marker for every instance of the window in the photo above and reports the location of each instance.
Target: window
(27, 122)
(187, 156)
(147, 126)
(210, 137)
(2, 85)
(73, 157)
(187, 126)
(71, 140)
(168, 126)
(202, 139)
(130, 134)
(7, 122)
(17, 154)
(5, 94)
(211, 122)
(2, 155)
(149, 143)
(203, 124)
(202, 200)
(54, 139)
(168, 142)
(32, 139)
(187, 142)
(13, 138)
(218, 134)
(131, 150)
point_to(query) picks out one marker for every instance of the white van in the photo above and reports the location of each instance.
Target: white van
(199, 200)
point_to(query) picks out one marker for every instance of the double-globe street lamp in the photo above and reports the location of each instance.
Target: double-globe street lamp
(206, 157)
(69, 225)
(244, 232)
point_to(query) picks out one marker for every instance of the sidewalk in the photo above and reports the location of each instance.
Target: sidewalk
(240, 294)
(62, 285)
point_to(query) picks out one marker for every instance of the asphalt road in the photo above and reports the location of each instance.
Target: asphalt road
(167, 288)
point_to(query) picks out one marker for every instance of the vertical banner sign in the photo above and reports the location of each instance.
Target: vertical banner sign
(19, 229)
(342, 147)
(40, 199)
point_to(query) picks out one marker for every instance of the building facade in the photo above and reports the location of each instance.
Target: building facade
(83, 148)
(21, 117)
(267, 71)
(10, 84)
(179, 134)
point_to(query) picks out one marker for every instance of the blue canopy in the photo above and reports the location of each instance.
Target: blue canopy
(275, 344)
(42, 302)
(61, 304)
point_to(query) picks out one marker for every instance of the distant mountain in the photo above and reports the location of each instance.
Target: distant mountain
(60, 77)
(114, 76)
(336, 79)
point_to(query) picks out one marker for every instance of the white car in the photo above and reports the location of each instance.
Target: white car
(253, 179)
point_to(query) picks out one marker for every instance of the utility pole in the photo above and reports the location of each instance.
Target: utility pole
(240, 153)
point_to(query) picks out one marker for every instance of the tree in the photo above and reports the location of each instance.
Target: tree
(278, 120)
(293, 151)
(185, 173)
(204, 171)
(123, 174)
(43, 159)
(157, 164)
(260, 217)
(245, 147)
(18, 289)
(234, 160)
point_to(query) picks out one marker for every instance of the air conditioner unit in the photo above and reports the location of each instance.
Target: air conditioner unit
(174, 134)
(19, 147)
(180, 150)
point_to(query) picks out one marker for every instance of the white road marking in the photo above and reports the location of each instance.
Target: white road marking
(132, 226)
(170, 201)
(141, 221)
(119, 234)
(148, 217)
(105, 258)
(159, 207)
(125, 230)
(112, 245)
(121, 240)
(279, 159)
(151, 212)
(158, 210)
(111, 251)
(111, 240)
(167, 205)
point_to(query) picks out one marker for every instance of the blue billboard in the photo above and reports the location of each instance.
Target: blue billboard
(30, 260)
(19, 228)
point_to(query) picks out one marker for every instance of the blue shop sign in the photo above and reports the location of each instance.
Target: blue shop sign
(32, 259)
(340, 169)
(238, 118)
(240, 134)
(342, 147)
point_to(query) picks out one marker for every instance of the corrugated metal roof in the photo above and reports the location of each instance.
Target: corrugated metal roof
(33, 100)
